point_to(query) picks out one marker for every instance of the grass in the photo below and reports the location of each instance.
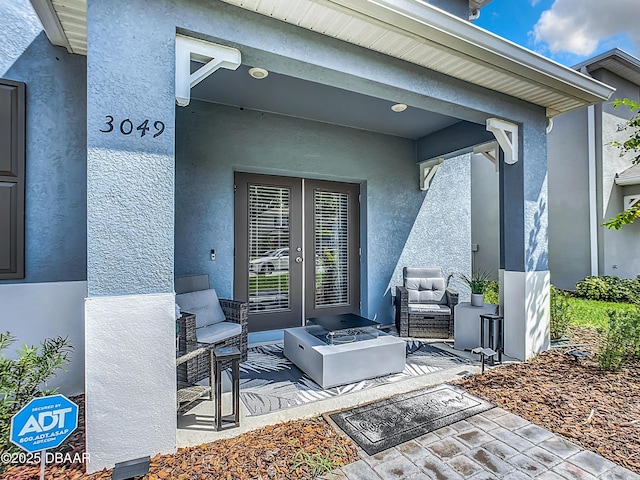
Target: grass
(594, 313)
(274, 282)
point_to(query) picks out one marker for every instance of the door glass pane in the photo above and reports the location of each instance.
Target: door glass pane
(268, 248)
(331, 232)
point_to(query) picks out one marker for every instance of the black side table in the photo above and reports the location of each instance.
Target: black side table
(492, 319)
(224, 355)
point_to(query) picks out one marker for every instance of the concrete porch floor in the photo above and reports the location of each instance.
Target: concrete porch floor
(196, 426)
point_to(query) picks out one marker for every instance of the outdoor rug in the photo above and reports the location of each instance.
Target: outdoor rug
(385, 424)
(270, 382)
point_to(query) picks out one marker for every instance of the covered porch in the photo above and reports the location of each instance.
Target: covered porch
(160, 194)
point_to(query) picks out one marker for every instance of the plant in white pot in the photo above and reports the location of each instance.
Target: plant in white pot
(478, 283)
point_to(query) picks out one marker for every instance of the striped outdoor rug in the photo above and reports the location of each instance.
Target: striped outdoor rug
(270, 382)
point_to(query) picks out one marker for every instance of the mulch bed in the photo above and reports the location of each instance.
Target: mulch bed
(267, 453)
(597, 410)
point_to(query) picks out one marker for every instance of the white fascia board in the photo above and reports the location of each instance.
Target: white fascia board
(461, 37)
(628, 181)
(51, 23)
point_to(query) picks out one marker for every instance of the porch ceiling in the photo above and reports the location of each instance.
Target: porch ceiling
(411, 30)
(303, 99)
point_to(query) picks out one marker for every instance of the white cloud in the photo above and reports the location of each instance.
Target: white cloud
(534, 2)
(578, 26)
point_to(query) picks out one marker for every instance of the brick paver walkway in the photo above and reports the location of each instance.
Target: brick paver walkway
(491, 445)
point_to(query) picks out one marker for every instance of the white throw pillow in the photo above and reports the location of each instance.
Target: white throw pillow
(204, 304)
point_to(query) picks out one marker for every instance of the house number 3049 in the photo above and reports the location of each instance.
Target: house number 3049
(127, 127)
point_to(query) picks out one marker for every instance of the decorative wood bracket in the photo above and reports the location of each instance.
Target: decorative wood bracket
(428, 171)
(489, 150)
(212, 55)
(507, 135)
(631, 201)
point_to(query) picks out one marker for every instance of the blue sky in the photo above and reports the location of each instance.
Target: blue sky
(567, 31)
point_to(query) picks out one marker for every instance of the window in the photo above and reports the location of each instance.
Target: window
(12, 176)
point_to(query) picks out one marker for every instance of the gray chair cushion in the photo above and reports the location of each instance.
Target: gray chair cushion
(425, 285)
(204, 304)
(422, 272)
(428, 308)
(218, 332)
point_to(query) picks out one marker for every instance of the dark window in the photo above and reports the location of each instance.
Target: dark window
(12, 160)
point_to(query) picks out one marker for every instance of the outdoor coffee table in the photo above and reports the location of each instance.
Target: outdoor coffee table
(342, 349)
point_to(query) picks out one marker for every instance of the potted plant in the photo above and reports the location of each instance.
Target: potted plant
(478, 283)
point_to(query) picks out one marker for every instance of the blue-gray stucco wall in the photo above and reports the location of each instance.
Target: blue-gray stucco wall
(55, 237)
(212, 141)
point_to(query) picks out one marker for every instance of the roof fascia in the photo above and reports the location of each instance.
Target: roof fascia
(616, 54)
(622, 181)
(461, 37)
(51, 23)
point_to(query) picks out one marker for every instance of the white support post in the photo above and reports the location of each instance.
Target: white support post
(507, 135)
(213, 56)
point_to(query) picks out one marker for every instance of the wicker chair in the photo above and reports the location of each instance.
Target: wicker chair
(424, 305)
(188, 392)
(235, 313)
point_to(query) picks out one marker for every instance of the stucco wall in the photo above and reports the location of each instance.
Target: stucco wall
(49, 301)
(441, 232)
(569, 252)
(214, 140)
(485, 215)
(35, 311)
(55, 237)
(620, 248)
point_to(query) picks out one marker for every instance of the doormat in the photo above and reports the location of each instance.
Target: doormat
(269, 382)
(385, 424)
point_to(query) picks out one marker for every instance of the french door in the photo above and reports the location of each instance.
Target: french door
(296, 249)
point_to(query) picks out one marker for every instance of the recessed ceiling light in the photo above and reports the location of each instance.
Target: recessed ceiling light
(258, 73)
(399, 107)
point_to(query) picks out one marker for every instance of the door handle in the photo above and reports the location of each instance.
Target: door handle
(298, 259)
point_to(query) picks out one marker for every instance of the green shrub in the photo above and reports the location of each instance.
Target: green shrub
(492, 293)
(609, 289)
(620, 340)
(23, 378)
(559, 313)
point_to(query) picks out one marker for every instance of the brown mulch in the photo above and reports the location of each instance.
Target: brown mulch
(597, 410)
(268, 453)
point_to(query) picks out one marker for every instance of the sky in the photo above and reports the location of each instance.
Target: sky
(567, 31)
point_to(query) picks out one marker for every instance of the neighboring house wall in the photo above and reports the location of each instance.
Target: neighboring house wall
(383, 164)
(569, 229)
(485, 215)
(619, 249)
(49, 300)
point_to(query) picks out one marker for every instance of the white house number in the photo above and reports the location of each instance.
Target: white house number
(127, 127)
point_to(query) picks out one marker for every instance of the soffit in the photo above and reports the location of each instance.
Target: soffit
(616, 61)
(406, 29)
(422, 34)
(631, 176)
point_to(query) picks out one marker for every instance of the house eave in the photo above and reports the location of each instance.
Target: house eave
(51, 23)
(413, 31)
(626, 181)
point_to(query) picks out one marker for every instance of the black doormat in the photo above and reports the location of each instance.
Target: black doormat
(385, 424)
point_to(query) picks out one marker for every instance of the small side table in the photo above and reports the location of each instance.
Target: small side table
(493, 320)
(223, 355)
